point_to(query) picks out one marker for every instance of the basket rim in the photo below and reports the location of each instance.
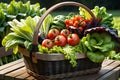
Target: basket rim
(56, 56)
(49, 57)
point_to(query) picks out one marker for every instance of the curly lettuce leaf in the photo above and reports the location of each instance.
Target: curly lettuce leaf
(98, 46)
(22, 34)
(70, 54)
(107, 18)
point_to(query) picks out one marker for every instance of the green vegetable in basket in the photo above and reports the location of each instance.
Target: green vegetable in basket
(70, 54)
(99, 12)
(115, 56)
(95, 56)
(46, 25)
(107, 18)
(84, 13)
(58, 22)
(117, 24)
(98, 45)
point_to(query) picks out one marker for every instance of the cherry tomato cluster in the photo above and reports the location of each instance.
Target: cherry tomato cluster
(60, 38)
(76, 21)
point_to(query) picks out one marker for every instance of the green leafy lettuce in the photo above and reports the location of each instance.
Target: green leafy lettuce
(16, 10)
(22, 33)
(98, 46)
(107, 18)
(99, 12)
(46, 24)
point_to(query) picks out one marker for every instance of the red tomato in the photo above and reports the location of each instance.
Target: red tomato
(75, 23)
(47, 43)
(66, 21)
(65, 32)
(73, 39)
(77, 17)
(73, 19)
(60, 40)
(53, 33)
(70, 23)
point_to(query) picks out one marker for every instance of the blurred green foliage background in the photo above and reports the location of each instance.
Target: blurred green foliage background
(109, 4)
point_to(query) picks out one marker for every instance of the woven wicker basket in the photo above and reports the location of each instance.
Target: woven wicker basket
(54, 66)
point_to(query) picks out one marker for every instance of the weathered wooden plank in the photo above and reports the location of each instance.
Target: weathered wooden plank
(112, 75)
(110, 67)
(107, 62)
(12, 68)
(8, 78)
(23, 76)
(98, 75)
(31, 78)
(17, 72)
(11, 78)
(10, 64)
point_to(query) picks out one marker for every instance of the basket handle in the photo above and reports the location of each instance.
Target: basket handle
(69, 3)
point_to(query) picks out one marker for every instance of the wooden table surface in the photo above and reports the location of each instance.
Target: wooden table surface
(16, 71)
